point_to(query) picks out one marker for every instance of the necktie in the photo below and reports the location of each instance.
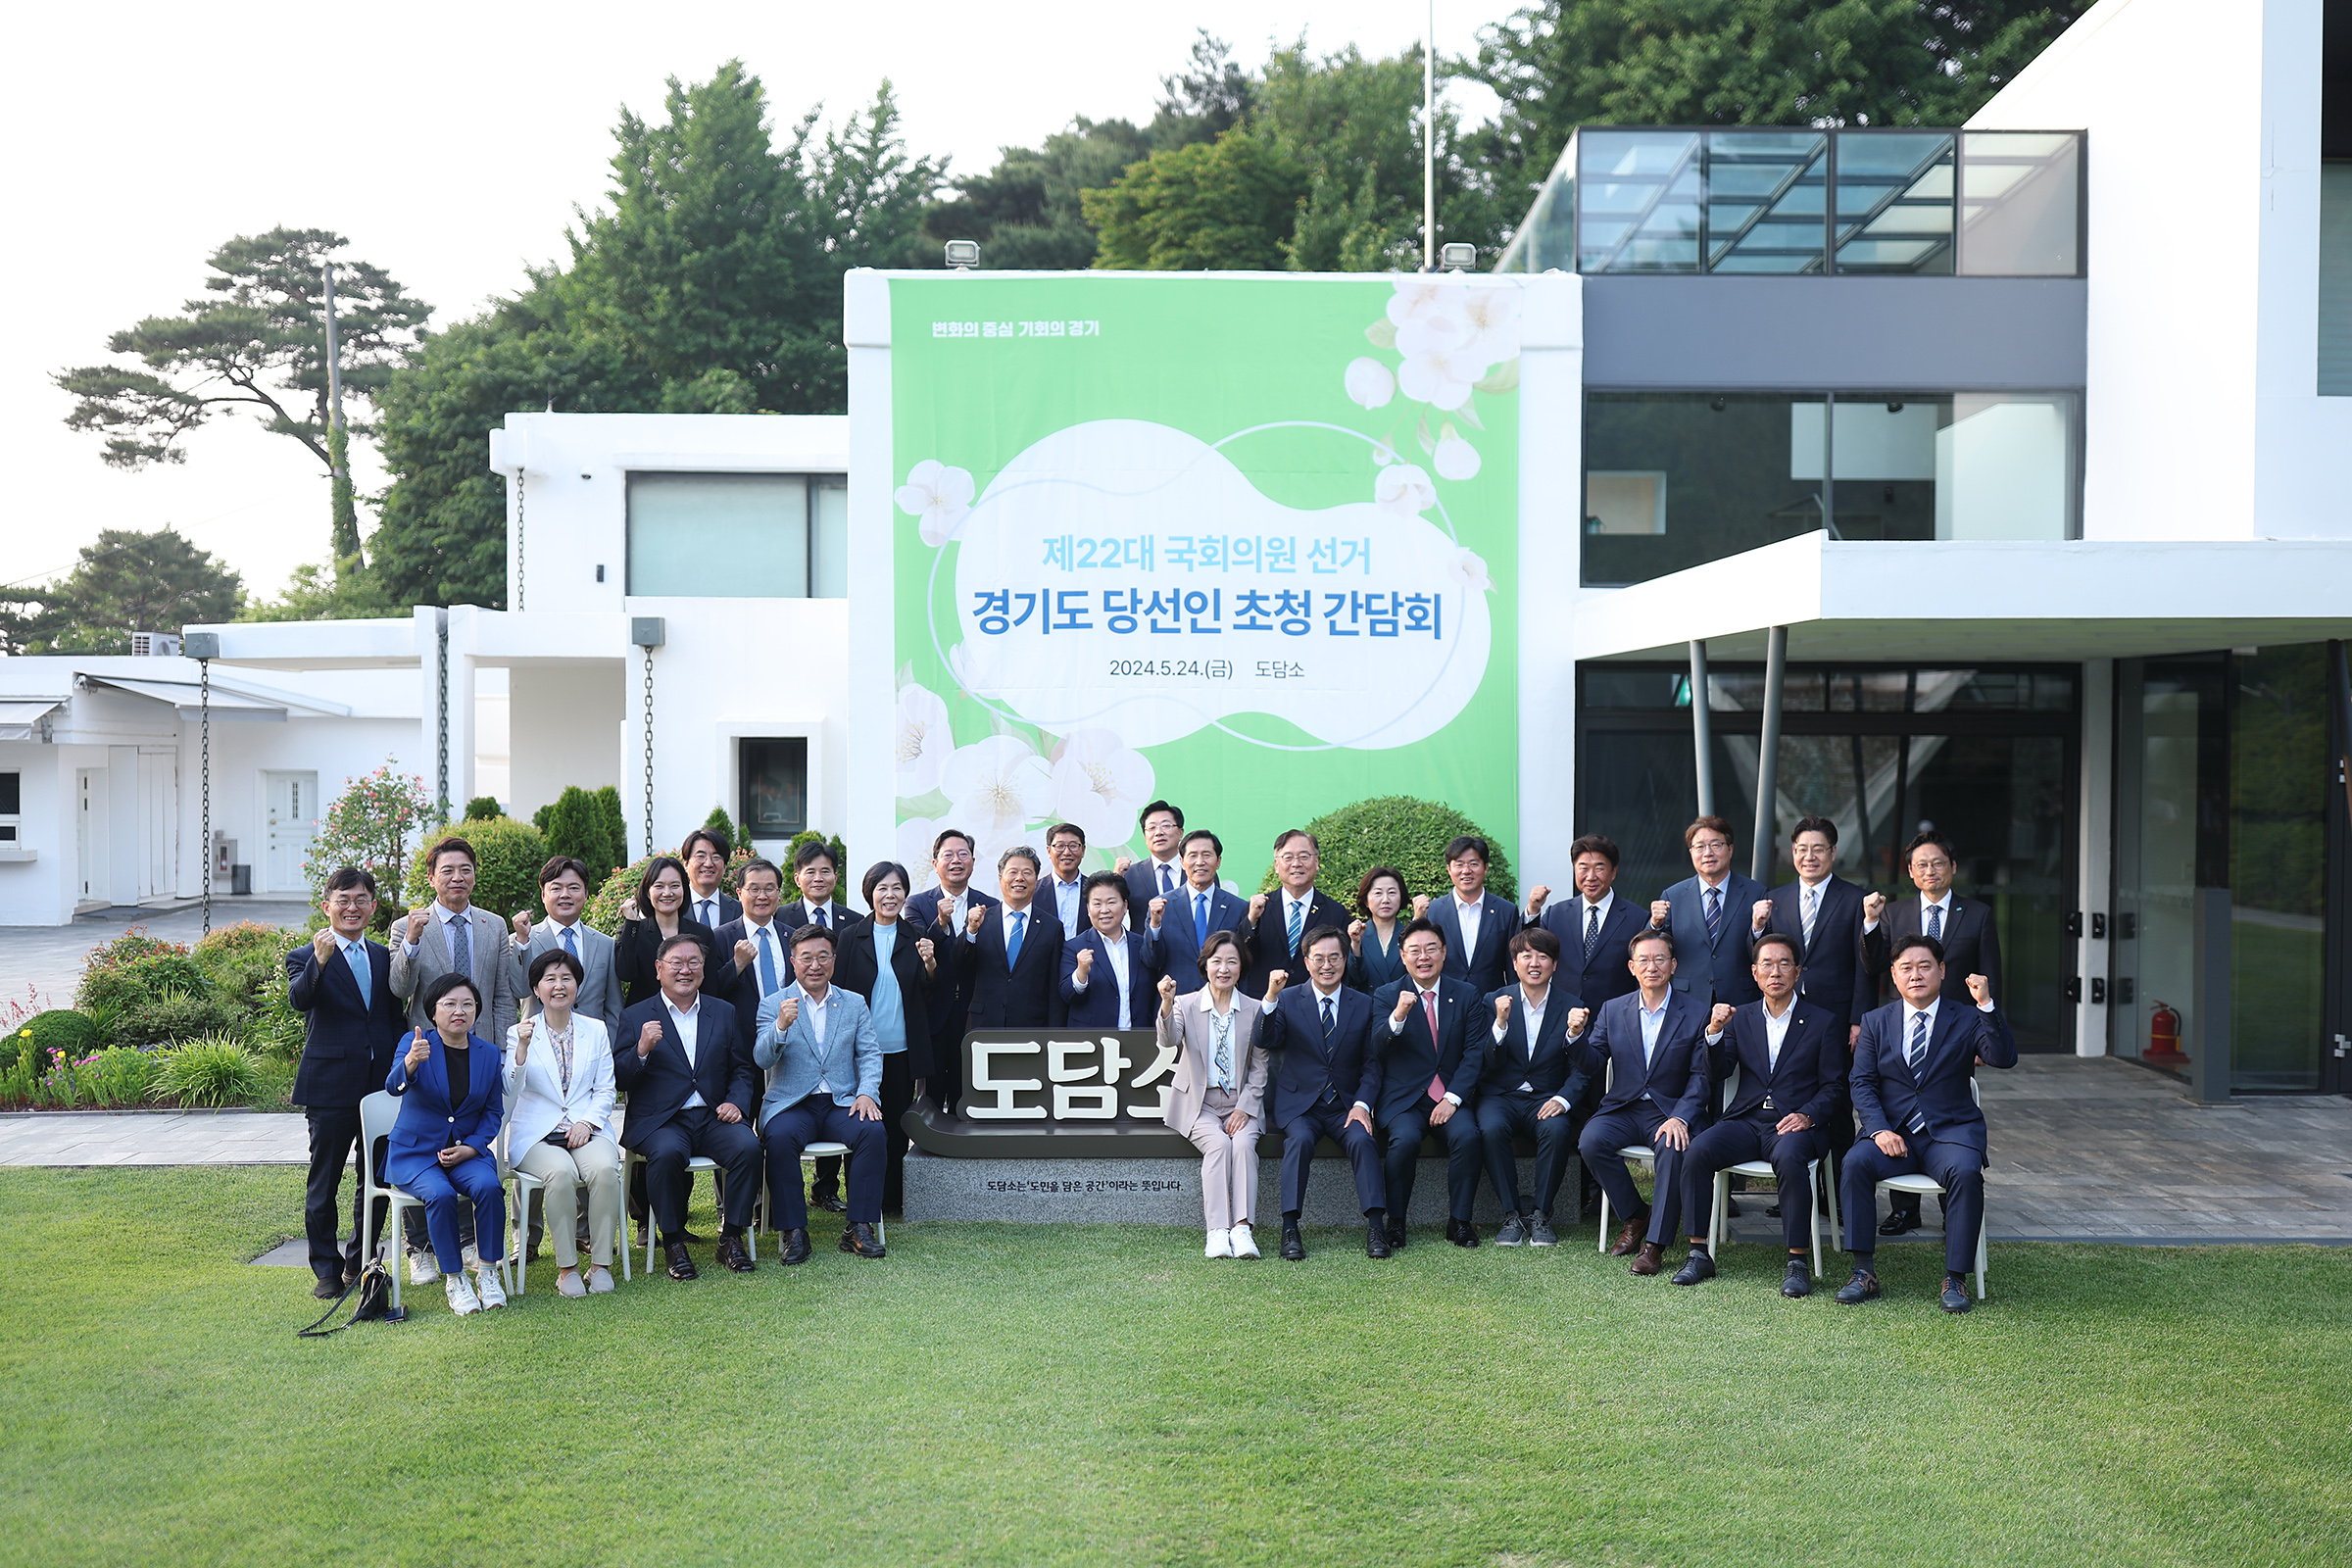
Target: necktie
(1298, 919)
(1915, 1052)
(1591, 930)
(768, 963)
(571, 942)
(704, 912)
(1327, 1018)
(818, 916)
(355, 955)
(460, 944)
(1429, 1010)
(1812, 912)
(1013, 939)
(1714, 915)
(1200, 916)
(1935, 921)
(1167, 880)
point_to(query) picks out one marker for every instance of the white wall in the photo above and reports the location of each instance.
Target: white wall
(562, 728)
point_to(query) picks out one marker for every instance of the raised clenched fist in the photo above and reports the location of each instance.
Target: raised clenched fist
(744, 954)
(1502, 1011)
(1719, 1019)
(1420, 904)
(416, 919)
(522, 926)
(1086, 964)
(1578, 1017)
(1406, 1000)
(1121, 865)
(1276, 979)
(1763, 913)
(945, 915)
(1159, 906)
(523, 1029)
(788, 1012)
(1167, 991)
(646, 1039)
(1257, 908)
(1536, 898)
(1980, 987)
(323, 944)
(1661, 913)
(924, 951)
(1874, 906)
(629, 909)
(972, 918)
(1355, 938)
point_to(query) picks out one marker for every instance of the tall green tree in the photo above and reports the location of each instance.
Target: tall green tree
(126, 582)
(1559, 64)
(255, 340)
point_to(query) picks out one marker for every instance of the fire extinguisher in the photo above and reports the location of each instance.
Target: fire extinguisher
(2164, 1035)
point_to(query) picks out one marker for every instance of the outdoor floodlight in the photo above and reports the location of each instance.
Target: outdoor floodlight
(1457, 256)
(963, 254)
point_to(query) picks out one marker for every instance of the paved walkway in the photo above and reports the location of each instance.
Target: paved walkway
(2083, 1150)
(41, 964)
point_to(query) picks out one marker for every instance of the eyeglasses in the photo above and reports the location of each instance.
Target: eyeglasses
(1653, 961)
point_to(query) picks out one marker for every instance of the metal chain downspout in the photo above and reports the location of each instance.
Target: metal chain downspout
(648, 751)
(518, 539)
(443, 727)
(204, 687)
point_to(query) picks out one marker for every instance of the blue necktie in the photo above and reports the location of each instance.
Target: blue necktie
(1915, 1052)
(767, 965)
(571, 942)
(460, 944)
(1327, 1019)
(1013, 939)
(1297, 918)
(1936, 922)
(1200, 916)
(1167, 880)
(1714, 915)
(355, 955)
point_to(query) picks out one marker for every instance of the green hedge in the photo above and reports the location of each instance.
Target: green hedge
(1399, 831)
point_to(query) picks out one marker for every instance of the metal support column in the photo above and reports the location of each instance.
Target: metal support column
(1768, 758)
(1702, 743)
(2209, 997)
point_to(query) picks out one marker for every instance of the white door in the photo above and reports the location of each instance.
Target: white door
(293, 813)
(159, 821)
(90, 835)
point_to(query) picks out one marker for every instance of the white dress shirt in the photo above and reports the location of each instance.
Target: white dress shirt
(1468, 915)
(1584, 909)
(1067, 904)
(685, 1024)
(1167, 878)
(1531, 1014)
(1115, 949)
(1776, 1030)
(1943, 923)
(1651, 1023)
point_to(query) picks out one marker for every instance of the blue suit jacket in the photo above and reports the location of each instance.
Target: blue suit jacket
(1407, 1058)
(1096, 1004)
(1676, 1077)
(1550, 1065)
(431, 1114)
(1716, 973)
(1310, 1063)
(1487, 969)
(346, 1046)
(1811, 1075)
(1837, 978)
(660, 1083)
(849, 1061)
(1889, 1094)
(1608, 974)
(1179, 937)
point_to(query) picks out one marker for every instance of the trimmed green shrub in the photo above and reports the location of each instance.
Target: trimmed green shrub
(276, 1026)
(483, 808)
(575, 825)
(175, 1014)
(243, 959)
(214, 1070)
(61, 1031)
(506, 858)
(607, 805)
(1399, 831)
(720, 823)
(539, 818)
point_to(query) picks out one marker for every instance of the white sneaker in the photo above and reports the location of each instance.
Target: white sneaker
(1245, 1241)
(600, 1280)
(486, 1287)
(1220, 1243)
(423, 1268)
(461, 1295)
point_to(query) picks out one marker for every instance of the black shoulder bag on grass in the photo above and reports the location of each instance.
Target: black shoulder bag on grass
(370, 1299)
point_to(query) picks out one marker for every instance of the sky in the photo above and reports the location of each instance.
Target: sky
(451, 144)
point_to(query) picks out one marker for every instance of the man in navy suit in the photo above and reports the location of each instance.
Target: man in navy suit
(1593, 927)
(1478, 925)
(1431, 1047)
(815, 874)
(343, 982)
(1109, 977)
(1528, 1088)
(1789, 1052)
(1712, 918)
(1826, 915)
(1200, 909)
(1162, 872)
(680, 1060)
(1326, 1083)
(941, 911)
(1011, 953)
(706, 856)
(1656, 1095)
(1278, 920)
(1971, 941)
(1912, 1070)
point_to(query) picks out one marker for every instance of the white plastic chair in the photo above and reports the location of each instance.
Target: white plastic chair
(377, 1112)
(1817, 1171)
(1924, 1183)
(1643, 1152)
(518, 1228)
(809, 1156)
(718, 1180)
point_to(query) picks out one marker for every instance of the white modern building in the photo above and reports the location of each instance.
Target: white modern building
(2025, 443)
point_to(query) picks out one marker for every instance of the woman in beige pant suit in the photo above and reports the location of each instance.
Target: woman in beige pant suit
(1220, 1093)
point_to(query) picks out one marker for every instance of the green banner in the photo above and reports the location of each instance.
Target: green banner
(1235, 542)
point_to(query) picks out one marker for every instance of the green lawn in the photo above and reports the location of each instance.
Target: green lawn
(1012, 1395)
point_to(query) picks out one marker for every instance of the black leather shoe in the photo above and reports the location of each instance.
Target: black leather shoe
(796, 1246)
(1731, 1209)
(731, 1252)
(1774, 1212)
(1293, 1248)
(1863, 1286)
(1629, 1239)
(1376, 1240)
(697, 1237)
(326, 1290)
(1396, 1236)
(860, 1240)
(1649, 1260)
(1799, 1281)
(830, 1202)
(1461, 1232)
(1696, 1267)
(681, 1267)
(1897, 1223)
(1955, 1294)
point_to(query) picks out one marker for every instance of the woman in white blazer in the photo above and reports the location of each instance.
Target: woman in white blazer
(1218, 1096)
(559, 1078)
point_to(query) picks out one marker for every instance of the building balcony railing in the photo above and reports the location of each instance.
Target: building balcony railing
(1808, 203)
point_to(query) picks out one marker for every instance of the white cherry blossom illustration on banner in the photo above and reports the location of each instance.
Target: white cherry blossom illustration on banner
(923, 740)
(974, 664)
(1470, 571)
(1100, 783)
(997, 786)
(1403, 488)
(1494, 318)
(1455, 459)
(938, 495)
(914, 850)
(1369, 382)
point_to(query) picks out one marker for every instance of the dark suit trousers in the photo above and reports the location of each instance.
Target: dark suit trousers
(1501, 1118)
(1404, 1135)
(1958, 1167)
(1728, 1143)
(334, 1134)
(898, 1095)
(1330, 1120)
(817, 1120)
(699, 1132)
(1612, 1130)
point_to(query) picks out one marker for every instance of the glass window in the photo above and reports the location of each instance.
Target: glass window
(2336, 279)
(1689, 477)
(2020, 203)
(1638, 201)
(1895, 201)
(2172, 758)
(735, 535)
(11, 807)
(1765, 195)
(2279, 779)
(775, 787)
(829, 539)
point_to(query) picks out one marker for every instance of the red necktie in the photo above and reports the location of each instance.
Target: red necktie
(1429, 1010)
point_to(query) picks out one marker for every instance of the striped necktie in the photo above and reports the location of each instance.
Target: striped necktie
(1591, 930)
(1714, 915)
(1916, 1053)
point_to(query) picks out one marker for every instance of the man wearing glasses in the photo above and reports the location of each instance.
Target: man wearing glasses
(1651, 1038)
(1962, 927)
(681, 1060)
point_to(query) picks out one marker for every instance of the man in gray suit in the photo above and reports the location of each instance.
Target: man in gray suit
(451, 934)
(823, 1061)
(563, 894)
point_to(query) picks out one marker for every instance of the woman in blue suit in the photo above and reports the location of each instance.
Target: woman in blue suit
(1375, 936)
(451, 1101)
(1107, 977)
